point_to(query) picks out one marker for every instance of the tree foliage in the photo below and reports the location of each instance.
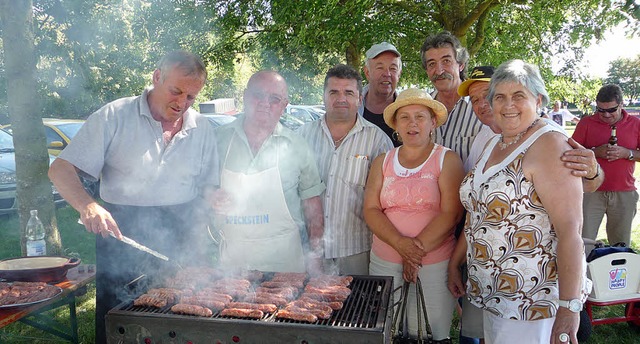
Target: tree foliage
(93, 52)
(626, 73)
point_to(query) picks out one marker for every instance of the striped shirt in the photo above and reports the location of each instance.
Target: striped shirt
(344, 171)
(461, 128)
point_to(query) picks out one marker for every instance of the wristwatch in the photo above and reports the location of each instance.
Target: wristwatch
(630, 154)
(573, 305)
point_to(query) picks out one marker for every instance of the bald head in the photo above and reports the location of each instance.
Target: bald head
(265, 99)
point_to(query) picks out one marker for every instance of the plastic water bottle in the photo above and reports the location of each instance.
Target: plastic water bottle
(36, 245)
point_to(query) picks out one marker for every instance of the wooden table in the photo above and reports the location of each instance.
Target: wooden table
(74, 285)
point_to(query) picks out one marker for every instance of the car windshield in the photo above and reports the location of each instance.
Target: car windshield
(6, 141)
(70, 129)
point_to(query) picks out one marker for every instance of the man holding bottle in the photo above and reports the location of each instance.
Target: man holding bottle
(617, 196)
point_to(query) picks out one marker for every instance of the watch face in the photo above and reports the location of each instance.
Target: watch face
(575, 305)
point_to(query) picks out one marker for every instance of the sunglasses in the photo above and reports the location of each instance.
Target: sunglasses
(272, 99)
(610, 110)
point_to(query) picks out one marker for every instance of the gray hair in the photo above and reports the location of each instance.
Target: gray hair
(187, 62)
(525, 74)
(445, 39)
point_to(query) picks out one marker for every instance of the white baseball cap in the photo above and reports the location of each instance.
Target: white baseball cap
(380, 48)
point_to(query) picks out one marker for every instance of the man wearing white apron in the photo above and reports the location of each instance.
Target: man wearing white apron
(269, 185)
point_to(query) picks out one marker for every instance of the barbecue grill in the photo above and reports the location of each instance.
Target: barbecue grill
(364, 318)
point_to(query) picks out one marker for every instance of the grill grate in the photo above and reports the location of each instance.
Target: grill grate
(364, 313)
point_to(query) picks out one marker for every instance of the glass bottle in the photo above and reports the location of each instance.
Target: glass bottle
(613, 140)
(36, 246)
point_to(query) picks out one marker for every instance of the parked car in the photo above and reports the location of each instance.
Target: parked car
(8, 178)
(218, 119)
(59, 132)
(290, 121)
(306, 113)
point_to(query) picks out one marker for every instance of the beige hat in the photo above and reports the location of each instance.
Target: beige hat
(415, 96)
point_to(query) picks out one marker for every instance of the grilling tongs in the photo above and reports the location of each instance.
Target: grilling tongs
(141, 247)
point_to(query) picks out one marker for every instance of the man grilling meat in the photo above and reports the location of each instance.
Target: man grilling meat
(271, 183)
(155, 156)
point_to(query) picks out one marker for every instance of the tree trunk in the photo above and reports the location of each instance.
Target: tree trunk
(32, 158)
(354, 57)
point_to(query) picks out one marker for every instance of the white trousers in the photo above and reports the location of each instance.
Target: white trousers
(440, 302)
(499, 330)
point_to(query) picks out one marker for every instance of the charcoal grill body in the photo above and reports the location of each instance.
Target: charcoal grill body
(365, 318)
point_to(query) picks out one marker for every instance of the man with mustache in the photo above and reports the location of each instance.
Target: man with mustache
(155, 157)
(445, 60)
(382, 68)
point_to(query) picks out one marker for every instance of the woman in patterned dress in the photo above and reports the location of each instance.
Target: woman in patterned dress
(524, 221)
(412, 205)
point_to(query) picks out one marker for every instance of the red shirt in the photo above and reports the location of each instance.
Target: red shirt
(592, 132)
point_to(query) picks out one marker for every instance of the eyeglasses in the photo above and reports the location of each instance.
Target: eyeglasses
(610, 110)
(258, 95)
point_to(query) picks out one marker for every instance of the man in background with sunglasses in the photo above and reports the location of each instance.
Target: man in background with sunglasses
(269, 186)
(617, 196)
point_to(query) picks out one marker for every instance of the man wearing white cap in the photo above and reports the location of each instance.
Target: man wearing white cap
(382, 69)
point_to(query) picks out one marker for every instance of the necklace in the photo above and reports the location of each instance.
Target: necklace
(503, 145)
(337, 142)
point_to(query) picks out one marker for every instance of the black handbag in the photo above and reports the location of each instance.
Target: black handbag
(398, 334)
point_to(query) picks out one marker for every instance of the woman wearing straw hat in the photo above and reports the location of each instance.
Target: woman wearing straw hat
(412, 205)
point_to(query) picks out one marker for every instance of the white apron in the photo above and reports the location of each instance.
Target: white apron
(259, 232)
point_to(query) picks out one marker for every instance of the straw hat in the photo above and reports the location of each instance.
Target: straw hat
(414, 96)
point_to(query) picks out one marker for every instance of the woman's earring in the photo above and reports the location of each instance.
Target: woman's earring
(395, 136)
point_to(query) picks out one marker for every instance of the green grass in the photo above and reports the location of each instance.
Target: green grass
(78, 241)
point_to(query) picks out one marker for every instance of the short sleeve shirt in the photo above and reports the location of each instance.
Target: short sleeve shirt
(344, 170)
(122, 145)
(460, 129)
(296, 163)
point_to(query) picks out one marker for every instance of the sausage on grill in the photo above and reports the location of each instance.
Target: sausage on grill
(331, 280)
(148, 300)
(338, 290)
(298, 316)
(336, 305)
(242, 313)
(327, 297)
(183, 308)
(319, 313)
(282, 284)
(265, 307)
(266, 298)
(288, 293)
(204, 302)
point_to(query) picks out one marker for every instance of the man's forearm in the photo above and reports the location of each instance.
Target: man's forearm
(315, 222)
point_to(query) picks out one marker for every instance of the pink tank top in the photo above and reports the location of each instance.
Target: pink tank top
(411, 202)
